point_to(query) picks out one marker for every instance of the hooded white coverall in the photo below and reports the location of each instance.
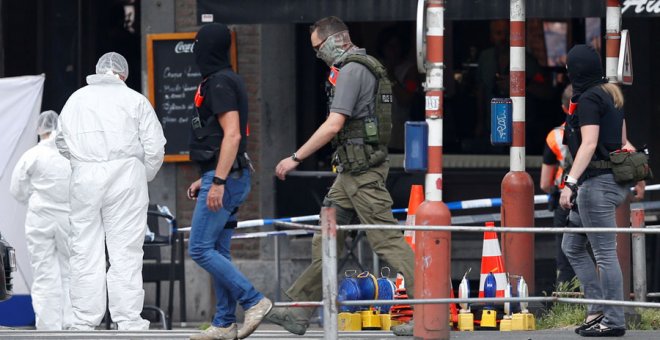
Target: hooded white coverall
(116, 145)
(41, 179)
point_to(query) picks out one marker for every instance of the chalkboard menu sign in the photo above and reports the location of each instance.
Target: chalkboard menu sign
(173, 78)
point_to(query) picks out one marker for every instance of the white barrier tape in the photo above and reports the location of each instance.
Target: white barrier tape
(272, 233)
(648, 230)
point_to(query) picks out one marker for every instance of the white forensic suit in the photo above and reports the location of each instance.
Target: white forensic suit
(41, 179)
(115, 143)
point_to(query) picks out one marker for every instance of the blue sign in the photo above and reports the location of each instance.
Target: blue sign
(501, 121)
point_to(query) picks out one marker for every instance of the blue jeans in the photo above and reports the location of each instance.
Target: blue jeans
(597, 200)
(209, 247)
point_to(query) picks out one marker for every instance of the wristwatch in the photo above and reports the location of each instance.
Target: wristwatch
(295, 157)
(219, 181)
(572, 186)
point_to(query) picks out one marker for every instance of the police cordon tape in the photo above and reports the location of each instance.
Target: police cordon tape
(458, 205)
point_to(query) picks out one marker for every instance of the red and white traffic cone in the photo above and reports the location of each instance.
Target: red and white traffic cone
(492, 262)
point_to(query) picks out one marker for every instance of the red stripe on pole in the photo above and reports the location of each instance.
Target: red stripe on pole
(518, 134)
(435, 48)
(435, 159)
(517, 83)
(613, 3)
(517, 35)
(612, 44)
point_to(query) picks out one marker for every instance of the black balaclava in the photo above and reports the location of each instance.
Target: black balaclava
(212, 48)
(584, 68)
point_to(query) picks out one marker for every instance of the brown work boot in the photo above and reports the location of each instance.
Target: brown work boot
(294, 320)
(404, 329)
(216, 333)
(253, 317)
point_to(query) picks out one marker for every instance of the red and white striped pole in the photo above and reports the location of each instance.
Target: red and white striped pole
(517, 186)
(613, 38)
(433, 253)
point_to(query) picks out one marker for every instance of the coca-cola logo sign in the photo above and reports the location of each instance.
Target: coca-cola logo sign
(184, 47)
(632, 7)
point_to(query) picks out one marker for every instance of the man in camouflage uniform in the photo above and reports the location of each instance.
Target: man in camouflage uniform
(359, 125)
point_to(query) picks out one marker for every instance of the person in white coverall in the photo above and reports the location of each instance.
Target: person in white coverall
(41, 179)
(115, 143)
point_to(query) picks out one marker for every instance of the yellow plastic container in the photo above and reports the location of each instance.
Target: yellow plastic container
(385, 321)
(465, 321)
(505, 324)
(523, 322)
(488, 318)
(349, 322)
(370, 320)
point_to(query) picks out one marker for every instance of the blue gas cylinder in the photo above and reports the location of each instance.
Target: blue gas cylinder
(501, 121)
(416, 149)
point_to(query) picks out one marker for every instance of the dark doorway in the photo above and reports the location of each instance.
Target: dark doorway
(64, 39)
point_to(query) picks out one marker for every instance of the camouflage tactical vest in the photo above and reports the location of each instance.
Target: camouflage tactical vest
(362, 143)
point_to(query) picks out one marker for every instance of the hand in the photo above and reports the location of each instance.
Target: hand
(214, 199)
(566, 197)
(193, 189)
(284, 167)
(640, 187)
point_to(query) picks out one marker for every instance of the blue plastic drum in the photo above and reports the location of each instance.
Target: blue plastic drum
(348, 291)
(368, 286)
(386, 290)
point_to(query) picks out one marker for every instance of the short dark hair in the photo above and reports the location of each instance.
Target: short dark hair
(328, 26)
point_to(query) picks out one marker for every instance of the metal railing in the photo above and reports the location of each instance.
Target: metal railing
(330, 304)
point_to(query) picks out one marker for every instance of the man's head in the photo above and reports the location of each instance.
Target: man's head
(566, 98)
(330, 39)
(46, 123)
(113, 63)
(211, 50)
(499, 33)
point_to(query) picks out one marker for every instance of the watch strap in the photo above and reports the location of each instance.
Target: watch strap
(219, 181)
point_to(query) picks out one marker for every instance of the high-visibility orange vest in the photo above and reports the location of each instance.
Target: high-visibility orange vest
(555, 142)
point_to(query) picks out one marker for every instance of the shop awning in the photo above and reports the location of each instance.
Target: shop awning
(307, 11)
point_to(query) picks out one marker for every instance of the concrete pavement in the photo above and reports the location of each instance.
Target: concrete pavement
(274, 332)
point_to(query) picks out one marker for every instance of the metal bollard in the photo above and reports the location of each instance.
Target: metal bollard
(639, 255)
(329, 260)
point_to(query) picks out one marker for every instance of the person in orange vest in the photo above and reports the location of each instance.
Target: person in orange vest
(556, 160)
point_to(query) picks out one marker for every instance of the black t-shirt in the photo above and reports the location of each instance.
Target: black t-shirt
(549, 157)
(596, 107)
(224, 91)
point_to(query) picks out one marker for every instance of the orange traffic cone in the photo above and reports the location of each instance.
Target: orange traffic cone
(401, 313)
(492, 262)
(416, 198)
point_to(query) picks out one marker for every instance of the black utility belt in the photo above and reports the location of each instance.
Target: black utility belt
(241, 162)
(600, 165)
